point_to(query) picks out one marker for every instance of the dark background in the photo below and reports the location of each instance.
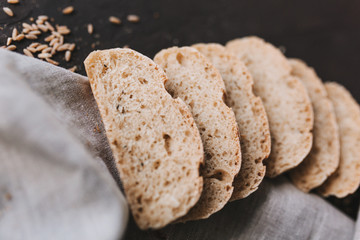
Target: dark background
(325, 34)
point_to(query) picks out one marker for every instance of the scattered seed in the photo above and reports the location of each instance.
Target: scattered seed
(8, 11)
(47, 50)
(52, 61)
(43, 17)
(31, 19)
(54, 48)
(90, 28)
(73, 69)
(27, 53)
(36, 32)
(19, 37)
(27, 26)
(93, 45)
(49, 38)
(133, 18)
(14, 33)
(52, 42)
(41, 47)
(31, 49)
(13, 1)
(61, 41)
(67, 56)
(34, 27)
(72, 47)
(126, 46)
(49, 26)
(26, 30)
(30, 36)
(11, 47)
(63, 30)
(68, 10)
(44, 55)
(63, 47)
(35, 44)
(9, 40)
(56, 34)
(43, 27)
(39, 22)
(114, 20)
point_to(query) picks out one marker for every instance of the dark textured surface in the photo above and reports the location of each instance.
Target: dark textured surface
(326, 34)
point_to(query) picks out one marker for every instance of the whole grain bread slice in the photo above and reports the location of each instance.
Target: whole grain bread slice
(250, 116)
(324, 156)
(346, 179)
(285, 99)
(195, 80)
(153, 137)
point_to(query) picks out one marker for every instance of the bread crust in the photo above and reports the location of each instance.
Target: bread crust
(324, 156)
(285, 99)
(153, 137)
(250, 115)
(346, 179)
(195, 80)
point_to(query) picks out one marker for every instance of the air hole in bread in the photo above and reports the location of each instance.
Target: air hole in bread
(228, 188)
(219, 175)
(156, 164)
(142, 80)
(179, 58)
(137, 137)
(167, 140)
(191, 104)
(125, 74)
(131, 96)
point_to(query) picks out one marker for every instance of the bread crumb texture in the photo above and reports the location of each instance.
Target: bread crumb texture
(250, 116)
(153, 137)
(285, 99)
(199, 84)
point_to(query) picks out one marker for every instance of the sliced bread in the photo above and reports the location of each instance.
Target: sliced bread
(250, 116)
(153, 137)
(346, 179)
(196, 81)
(324, 156)
(285, 99)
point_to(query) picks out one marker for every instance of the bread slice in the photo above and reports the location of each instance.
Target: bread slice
(324, 156)
(250, 116)
(346, 179)
(153, 137)
(195, 80)
(285, 99)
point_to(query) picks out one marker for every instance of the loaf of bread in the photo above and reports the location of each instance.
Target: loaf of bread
(250, 116)
(285, 99)
(196, 81)
(324, 156)
(154, 139)
(346, 179)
